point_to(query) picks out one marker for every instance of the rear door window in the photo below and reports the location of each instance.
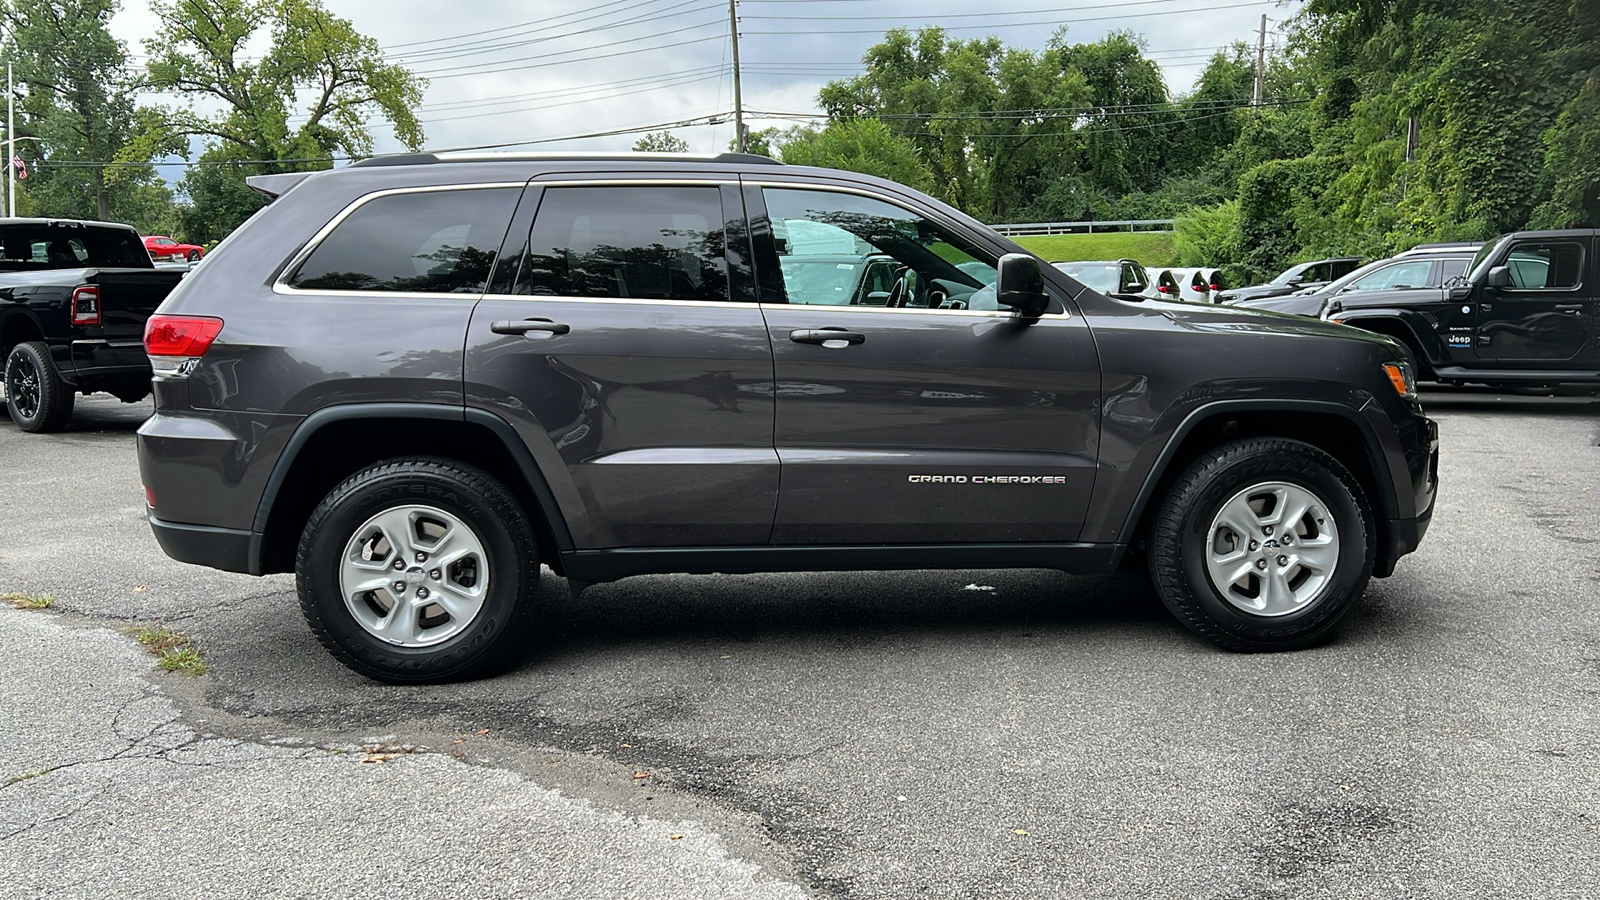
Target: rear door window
(651, 242)
(419, 242)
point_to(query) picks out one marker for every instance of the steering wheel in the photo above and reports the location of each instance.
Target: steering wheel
(906, 287)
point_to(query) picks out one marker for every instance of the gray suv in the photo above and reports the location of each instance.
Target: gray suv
(415, 380)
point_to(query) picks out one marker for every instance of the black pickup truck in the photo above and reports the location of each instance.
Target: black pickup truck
(74, 297)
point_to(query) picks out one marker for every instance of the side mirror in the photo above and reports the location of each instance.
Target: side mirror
(1498, 277)
(1019, 284)
(1131, 287)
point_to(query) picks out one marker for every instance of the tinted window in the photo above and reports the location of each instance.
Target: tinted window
(1453, 271)
(1546, 266)
(46, 246)
(436, 242)
(645, 243)
(903, 259)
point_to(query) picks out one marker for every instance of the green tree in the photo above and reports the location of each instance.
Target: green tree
(77, 100)
(661, 142)
(858, 145)
(309, 98)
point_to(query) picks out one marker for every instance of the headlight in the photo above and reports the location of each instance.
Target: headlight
(1403, 379)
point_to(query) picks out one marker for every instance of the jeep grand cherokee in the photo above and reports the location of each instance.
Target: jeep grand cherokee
(414, 380)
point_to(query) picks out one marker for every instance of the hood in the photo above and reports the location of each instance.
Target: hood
(1210, 317)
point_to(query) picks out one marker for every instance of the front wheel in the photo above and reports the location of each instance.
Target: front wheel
(36, 397)
(194, 256)
(1263, 544)
(418, 570)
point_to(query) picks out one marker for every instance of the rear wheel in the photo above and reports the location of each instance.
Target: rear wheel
(418, 570)
(36, 397)
(1263, 544)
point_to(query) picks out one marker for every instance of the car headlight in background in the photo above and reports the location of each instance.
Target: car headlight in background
(1403, 379)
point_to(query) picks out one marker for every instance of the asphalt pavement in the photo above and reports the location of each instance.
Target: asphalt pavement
(936, 734)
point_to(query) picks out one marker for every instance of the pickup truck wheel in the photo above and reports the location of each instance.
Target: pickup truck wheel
(36, 397)
(418, 570)
(1263, 544)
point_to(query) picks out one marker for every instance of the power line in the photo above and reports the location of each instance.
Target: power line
(1169, 12)
(976, 15)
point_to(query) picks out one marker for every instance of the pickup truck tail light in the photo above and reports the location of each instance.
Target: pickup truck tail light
(174, 343)
(86, 305)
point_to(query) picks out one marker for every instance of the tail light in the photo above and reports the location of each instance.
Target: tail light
(175, 343)
(1216, 287)
(86, 305)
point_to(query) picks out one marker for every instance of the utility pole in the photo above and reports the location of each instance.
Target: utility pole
(1261, 61)
(11, 146)
(738, 99)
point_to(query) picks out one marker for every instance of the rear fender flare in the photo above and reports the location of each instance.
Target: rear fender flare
(322, 418)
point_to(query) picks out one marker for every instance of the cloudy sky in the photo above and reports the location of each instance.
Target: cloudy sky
(501, 72)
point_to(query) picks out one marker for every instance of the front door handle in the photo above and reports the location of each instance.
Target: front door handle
(827, 337)
(505, 326)
(1569, 307)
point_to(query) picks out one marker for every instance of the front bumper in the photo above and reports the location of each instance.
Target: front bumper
(1420, 444)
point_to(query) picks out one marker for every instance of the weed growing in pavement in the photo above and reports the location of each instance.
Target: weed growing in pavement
(28, 601)
(175, 651)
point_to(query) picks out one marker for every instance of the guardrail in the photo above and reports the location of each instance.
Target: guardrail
(1084, 227)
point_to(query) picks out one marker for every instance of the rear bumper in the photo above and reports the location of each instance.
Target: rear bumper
(228, 549)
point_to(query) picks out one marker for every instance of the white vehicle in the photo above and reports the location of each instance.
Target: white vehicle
(1199, 285)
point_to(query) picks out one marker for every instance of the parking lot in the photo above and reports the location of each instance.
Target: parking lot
(939, 734)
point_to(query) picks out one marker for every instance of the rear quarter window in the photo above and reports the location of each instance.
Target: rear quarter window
(430, 242)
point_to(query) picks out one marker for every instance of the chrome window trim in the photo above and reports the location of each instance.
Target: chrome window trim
(1066, 312)
(281, 284)
(649, 180)
(546, 298)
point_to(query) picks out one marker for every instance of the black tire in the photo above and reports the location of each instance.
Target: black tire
(486, 639)
(36, 397)
(194, 256)
(1182, 529)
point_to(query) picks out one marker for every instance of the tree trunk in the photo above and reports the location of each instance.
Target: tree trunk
(102, 199)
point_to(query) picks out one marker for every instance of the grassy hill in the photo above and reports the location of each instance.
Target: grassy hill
(1152, 248)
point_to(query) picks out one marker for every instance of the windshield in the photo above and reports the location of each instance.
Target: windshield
(61, 245)
(1289, 274)
(1100, 277)
(1482, 256)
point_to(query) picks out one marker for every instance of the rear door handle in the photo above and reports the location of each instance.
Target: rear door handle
(506, 326)
(1569, 307)
(827, 337)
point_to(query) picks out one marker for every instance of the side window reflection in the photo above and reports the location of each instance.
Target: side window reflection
(837, 249)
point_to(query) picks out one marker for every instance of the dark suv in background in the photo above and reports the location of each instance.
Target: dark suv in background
(414, 380)
(1299, 277)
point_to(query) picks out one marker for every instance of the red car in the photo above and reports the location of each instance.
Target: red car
(161, 247)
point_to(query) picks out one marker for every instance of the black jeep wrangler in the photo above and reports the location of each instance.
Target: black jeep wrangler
(415, 380)
(1523, 315)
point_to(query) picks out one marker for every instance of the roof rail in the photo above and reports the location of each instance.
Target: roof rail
(421, 159)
